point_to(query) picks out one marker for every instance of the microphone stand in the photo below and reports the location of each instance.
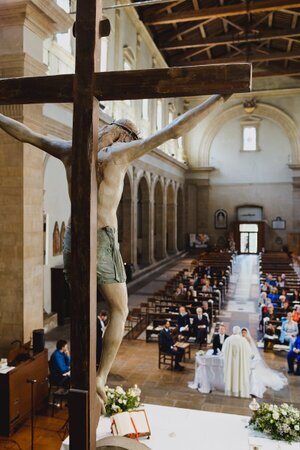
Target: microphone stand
(32, 382)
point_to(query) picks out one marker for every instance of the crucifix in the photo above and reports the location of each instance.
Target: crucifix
(85, 88)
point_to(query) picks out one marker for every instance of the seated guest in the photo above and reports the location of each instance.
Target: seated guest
(207, 310)
(270, 280)
(166, 345)
(178, 294)
(289, 330)
(263, 298)
(284, 306)
(293, 354)
(60, 365)
(182, 288)
(101, 323)
(219, 339)
(207, 287)
(200, 325)
(273, 296)
(283, 280)
(296, 314)
(183, 323)
(271, 316)
(265, 287)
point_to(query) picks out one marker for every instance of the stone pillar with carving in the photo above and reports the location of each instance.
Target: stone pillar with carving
(23, 28)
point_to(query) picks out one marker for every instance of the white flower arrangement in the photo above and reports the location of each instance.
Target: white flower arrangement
(281, 422)
(119, 400)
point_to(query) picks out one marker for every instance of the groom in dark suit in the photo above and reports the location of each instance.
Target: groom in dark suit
(219, 339)
(166, 345)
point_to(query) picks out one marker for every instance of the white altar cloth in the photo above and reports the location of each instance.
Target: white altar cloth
(209, 373)
(180, 429)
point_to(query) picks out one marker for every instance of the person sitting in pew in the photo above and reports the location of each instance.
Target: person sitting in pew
(273, 296)
(289, 330)
(183, 323)
(200, 326)
(207, 287)
(271, 281)
(293, 354)
(166, 345)
(284, 306)
(60, 365)
(207, 310)
(219, 339)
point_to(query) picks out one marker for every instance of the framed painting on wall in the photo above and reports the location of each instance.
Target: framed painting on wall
(221, 219)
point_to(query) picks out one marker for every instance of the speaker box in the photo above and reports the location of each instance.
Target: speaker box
(38, 340)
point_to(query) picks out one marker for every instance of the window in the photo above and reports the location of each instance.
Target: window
(145, 109)
(250, 134)
(104, 49)
(159, 118)
(249, 139)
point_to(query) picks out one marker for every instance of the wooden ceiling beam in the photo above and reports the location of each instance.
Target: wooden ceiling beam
(234, 39)
(253, 7)
(275, 56)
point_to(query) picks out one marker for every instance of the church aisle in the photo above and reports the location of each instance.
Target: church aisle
(243, 294)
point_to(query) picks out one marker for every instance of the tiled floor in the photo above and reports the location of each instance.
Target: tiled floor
(137, 361)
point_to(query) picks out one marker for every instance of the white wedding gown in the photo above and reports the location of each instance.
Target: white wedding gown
(262, 377)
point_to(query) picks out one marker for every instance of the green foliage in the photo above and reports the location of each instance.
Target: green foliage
(281, 423)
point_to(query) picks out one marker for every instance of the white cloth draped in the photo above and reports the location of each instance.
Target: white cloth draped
(237, 354)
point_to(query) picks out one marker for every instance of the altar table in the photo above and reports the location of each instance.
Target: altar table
(181, 429)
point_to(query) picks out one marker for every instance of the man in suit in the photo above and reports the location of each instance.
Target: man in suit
(166, 345)
(101, 323)
(200, 325)
(183, 323)
(219, 339)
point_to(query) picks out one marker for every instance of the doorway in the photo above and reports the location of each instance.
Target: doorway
(248, 238)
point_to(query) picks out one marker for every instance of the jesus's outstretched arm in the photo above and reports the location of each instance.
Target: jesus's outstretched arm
(135, 149)
(58, 148)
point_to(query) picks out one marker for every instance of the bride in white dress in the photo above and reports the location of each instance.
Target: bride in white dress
(262, 377)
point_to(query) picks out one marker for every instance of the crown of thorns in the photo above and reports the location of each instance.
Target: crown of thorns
(129, 131)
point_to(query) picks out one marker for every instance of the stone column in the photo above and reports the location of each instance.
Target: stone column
(134, 217)
(151, 220)
(296, 204)
(23, 28)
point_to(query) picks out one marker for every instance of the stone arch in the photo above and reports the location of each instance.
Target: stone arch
(263, 110)
(171, 220)
(180, 219)
(143, 222)
(124, 215)
(159, 250)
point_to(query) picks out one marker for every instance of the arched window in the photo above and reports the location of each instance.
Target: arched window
(250, 135)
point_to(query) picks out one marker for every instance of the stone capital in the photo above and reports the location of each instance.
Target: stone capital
(42, 17)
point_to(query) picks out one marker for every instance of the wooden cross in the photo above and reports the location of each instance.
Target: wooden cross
(85, 88)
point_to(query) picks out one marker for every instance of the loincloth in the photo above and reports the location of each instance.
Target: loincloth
(110, 267)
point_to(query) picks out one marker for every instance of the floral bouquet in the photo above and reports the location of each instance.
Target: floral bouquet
(119, 400)
(281, 423)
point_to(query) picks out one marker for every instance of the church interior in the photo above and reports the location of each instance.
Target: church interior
(208, 224)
